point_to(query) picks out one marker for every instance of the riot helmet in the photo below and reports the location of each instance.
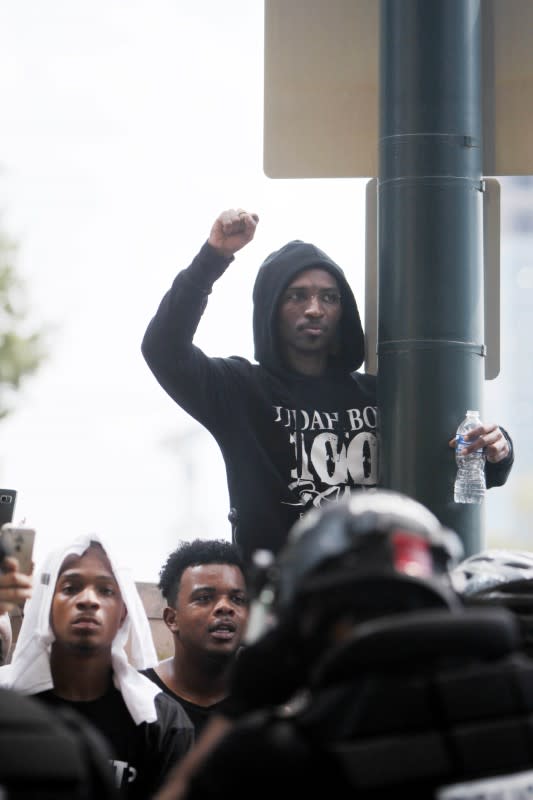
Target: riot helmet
(499, 577)
(372, 553)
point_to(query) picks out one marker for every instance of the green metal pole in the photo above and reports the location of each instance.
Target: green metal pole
(430, 335)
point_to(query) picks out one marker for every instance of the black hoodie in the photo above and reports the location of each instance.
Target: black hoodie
(289, 441)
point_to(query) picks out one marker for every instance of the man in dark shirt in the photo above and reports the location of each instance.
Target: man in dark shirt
(204, 586)
(71, 653)
(297, 429)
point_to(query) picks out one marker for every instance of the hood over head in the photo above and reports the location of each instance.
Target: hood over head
(275, 273)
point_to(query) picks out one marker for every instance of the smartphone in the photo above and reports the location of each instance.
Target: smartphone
(17, 541)
(8, 498)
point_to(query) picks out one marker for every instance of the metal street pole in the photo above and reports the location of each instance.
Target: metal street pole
(430, 335)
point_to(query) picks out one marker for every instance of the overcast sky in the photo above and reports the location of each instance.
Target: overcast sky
(126, 128)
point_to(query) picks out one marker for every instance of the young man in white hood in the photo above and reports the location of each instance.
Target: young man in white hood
(71, 652)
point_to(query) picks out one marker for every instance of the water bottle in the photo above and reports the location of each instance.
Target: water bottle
(470, 480)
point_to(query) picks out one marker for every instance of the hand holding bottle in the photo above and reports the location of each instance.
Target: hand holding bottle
(495, 445)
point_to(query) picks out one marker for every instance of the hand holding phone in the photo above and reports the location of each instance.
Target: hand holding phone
(17, 541)
(15, 585)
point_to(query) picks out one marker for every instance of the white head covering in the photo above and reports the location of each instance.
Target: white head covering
(29, 671)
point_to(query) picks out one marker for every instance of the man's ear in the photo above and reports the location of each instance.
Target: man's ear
(170, 618)
(123, 615)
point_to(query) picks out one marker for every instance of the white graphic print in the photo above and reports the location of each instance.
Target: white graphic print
(332, 452)
(124, 772)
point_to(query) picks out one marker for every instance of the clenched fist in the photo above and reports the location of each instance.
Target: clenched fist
(232, 230)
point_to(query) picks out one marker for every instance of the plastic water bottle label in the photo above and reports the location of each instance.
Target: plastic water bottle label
(461, 443)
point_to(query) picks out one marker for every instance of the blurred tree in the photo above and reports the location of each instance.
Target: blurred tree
(22, 350)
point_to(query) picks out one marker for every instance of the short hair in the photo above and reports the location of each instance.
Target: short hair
(191, 554)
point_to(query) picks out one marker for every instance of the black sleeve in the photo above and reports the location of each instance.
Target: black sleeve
(173, 327)
(169, 738)
(190, 377)
(497, 474)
